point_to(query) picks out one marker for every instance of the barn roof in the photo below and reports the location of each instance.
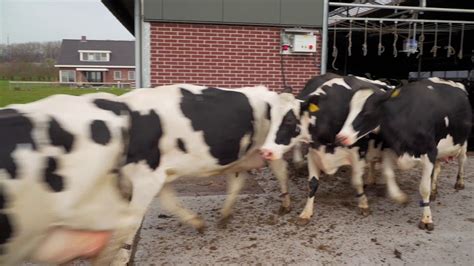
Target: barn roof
(121, 52)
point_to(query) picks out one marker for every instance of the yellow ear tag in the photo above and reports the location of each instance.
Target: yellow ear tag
(395, 93)
(313, 108)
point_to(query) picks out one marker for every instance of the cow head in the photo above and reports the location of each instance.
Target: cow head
(289, 125)
(365, 114)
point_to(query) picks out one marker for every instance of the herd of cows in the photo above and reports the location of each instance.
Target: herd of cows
(77, 173)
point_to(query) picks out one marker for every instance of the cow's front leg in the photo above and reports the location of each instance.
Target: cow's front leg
(298, 158)
(371, 179)
(394, 191)
(425, 190)
(461, 160)
(280, 170)
(145, 185)
(170, 202)
(313, 184)
(434, 181)
(358, 183)
(235, 182)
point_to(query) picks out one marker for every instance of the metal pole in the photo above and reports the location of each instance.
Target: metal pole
(405, 20)
(415, 8)
(324, 39)
(138, 44)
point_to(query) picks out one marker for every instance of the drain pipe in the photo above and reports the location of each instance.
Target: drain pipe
(138, 42)
(324, 38)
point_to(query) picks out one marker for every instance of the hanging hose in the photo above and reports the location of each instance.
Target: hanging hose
(434, 49)
(421, 40)
(409, 37)
(334, 50)
(450, 49)
(460, 54)
(364, 45)
(381, 48)
(395, 39)
(349, 39)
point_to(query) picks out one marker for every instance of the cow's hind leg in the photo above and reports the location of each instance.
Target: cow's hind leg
(235, 182)
(280, 170)
(425, 190)
(371, 179)
(434, 181)
(394, 191)
(170, 202)
(461, 161)
(313, 184)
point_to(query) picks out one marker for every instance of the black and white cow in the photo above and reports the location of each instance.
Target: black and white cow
(316, 118)
(196, 131)
(61, 159)
(422, 122)
(59, 197)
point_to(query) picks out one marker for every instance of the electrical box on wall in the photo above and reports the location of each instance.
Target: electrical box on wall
(298, 41)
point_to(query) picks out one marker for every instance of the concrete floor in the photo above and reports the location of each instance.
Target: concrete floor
(336, 235)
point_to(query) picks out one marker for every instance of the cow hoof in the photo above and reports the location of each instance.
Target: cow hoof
(458, 186)
(426, 226)
(223, 222)
(402, 199)
(284, 210)
(302, 221)
(198, 224)
(364, 211)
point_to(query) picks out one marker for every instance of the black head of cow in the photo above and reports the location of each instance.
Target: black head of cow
(365, 115)
(289, 121)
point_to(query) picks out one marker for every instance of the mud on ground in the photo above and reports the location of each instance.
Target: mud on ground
(336, 235)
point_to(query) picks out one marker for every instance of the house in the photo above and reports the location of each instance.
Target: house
(228, 43)
(97, 61)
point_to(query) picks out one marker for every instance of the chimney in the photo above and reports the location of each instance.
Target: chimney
(83, 39)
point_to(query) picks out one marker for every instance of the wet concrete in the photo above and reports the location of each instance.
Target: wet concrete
(336, 235)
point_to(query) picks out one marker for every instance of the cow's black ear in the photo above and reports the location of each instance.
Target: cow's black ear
(287, 89)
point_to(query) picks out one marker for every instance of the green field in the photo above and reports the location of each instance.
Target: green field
(27, 94)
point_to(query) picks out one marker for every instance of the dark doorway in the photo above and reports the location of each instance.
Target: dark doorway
(94, 76)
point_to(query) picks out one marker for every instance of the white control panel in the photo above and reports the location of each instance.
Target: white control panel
(298, 41)
(304, 43)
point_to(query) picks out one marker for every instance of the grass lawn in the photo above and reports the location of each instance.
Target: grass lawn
(36, 92)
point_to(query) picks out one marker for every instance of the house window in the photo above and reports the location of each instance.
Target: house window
(67, 76)
(95, 56)
(131, 75)
(117, 75)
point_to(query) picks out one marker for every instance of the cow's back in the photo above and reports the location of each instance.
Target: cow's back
(425, 112)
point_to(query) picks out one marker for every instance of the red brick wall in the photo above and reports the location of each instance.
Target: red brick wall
(225, 55)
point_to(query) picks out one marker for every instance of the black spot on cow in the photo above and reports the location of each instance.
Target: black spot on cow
(6, 229)
(288, 129)
(54, 181)
(224, 117)
(100, 133)
(313, 185)
(268, 113)
(117, 108)
(145, 133)
(2, 198)
(15, 129)
(181, 145)
(59, 136)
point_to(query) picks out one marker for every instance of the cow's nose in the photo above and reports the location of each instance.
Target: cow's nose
(342, 139)
(266, 154)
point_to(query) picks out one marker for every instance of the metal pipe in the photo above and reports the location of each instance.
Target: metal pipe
(138, 43)
(415, 8)
(405, 20)
(324, 45)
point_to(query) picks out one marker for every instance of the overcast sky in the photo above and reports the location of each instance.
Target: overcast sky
(53, 20)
